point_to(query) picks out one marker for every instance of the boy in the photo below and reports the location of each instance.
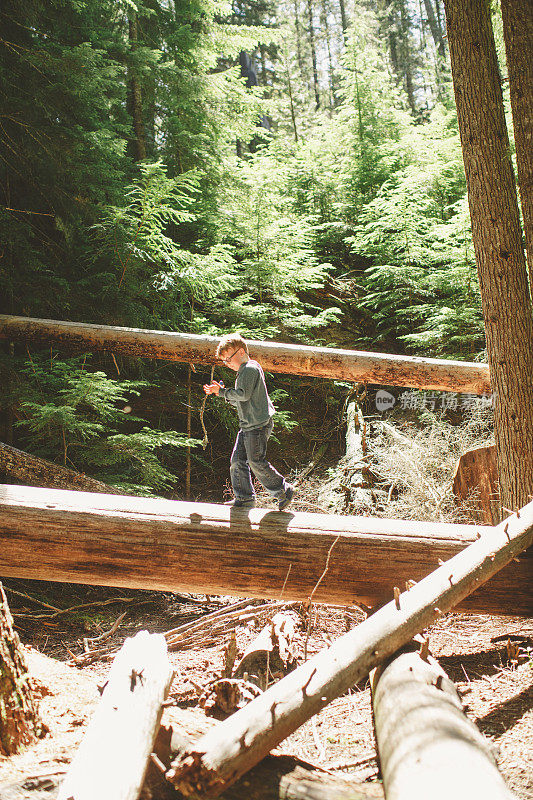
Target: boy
(255, 410)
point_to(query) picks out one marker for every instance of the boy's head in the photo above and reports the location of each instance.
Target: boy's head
(233, 350)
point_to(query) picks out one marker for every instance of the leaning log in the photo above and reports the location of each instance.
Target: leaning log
(138, 542)
(220, 757)
(427, 745)
(35, 471)
(112, 759)
(277, 777)
(321, 362)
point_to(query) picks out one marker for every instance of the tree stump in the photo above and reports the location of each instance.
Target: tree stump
(19, 718)
(476, 482)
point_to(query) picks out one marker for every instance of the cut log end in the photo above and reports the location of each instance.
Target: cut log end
(189, 775)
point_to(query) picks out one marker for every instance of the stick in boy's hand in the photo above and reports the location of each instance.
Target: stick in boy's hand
(213, 388)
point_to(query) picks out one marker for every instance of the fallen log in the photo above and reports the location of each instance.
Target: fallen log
(138, 542)
(427, 745)
(35, 471)
(270, 655)
(221, 756)
(321, 362)
(112, 759)
(277, 777)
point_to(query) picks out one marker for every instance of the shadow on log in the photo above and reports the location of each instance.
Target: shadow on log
(172, 546)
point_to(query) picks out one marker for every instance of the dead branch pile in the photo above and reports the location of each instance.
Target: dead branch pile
(203, 632)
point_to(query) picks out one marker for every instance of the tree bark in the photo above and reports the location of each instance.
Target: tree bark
(313, 52)
(517, 18)
(277, 777)
(476, 482)
(406, 59)
(344, 21)
(497, 241)
(436, 30)
(135, 94)
(50, 534)
(323, 362)
(220, 757)
(19, 717)
(299, 39)
(36, 471)
(349, 490)
(112, 759)
(427, 745)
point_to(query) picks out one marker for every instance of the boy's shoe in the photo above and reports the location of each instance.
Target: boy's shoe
(289, 494)
(240, 503)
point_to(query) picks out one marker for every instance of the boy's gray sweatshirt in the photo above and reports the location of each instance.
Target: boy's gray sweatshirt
(250, 397)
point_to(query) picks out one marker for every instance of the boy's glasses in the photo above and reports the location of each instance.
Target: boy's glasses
(228, 359)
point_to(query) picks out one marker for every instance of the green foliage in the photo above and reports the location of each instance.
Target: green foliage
(343, 222)
(80, 419)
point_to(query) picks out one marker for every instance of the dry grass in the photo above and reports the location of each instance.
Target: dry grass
(417, 465)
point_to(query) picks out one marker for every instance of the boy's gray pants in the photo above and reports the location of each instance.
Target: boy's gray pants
(249, 453)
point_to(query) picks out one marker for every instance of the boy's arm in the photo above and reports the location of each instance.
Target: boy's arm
(244, 386)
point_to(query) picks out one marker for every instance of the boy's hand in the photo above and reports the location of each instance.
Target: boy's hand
(213, 388)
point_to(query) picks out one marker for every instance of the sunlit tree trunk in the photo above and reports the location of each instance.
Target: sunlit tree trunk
(518, 34)
(331, 72)
(291, 98)
(497, 239)
(298, 39)
(313, 51)
(19, 718)
(406, 59)
(435, 28)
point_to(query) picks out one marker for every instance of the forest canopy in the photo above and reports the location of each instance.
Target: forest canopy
(287, 168)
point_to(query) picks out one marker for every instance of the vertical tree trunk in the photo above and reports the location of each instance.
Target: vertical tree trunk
(389, 30)
(518, 35)
(406, 60)
(313, 52)
(291, 98)
(135, 96)
(19, 719)
(343, 17)
(298, 39)
(436, 30)
(497, 241)
(325, 10)
(189, 428)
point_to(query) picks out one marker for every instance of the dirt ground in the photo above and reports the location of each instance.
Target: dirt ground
(494, 679)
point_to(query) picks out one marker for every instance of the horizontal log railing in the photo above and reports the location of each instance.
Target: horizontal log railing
(110, 540)
(320, 362)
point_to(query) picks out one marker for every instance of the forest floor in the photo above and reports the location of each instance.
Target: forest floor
(490, 659)
(494, 680)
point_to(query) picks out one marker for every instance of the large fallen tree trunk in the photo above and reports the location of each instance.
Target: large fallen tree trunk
(112, 759)
(321, 362)
(220, 757)
(427, 745)
(36, 471)
(136, 542)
